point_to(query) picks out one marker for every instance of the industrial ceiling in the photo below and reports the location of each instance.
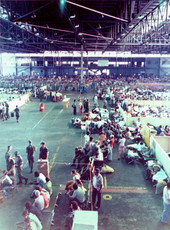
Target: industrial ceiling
(139, 26)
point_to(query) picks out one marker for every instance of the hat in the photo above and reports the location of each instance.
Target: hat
(16, 153)
(29, 141)
(42, 143)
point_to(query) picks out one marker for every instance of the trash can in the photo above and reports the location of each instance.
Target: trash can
(42, 107)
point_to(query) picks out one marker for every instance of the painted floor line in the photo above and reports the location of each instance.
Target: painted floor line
(118, 190)
(42, 118)
(52, 162)
(57, 115)
(105, 181)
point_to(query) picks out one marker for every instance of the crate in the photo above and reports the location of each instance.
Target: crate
(43, 167)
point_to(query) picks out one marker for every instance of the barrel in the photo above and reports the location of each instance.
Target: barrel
(42, 107)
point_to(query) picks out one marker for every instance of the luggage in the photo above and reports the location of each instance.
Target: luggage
(12, 114)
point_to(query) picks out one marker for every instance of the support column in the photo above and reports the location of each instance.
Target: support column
(81, 65)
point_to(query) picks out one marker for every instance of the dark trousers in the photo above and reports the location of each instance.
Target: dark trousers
(74, 111)
(20, 176)
(95, 193)
(31, 162)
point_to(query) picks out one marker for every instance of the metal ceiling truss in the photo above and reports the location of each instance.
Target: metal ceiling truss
(148, 31)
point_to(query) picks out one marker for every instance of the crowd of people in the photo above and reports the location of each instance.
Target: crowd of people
(42, 185)
(97, 147)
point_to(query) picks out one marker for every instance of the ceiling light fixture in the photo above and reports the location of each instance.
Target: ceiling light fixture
(72, 16)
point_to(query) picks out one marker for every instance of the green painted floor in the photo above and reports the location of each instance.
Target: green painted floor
(132, 205)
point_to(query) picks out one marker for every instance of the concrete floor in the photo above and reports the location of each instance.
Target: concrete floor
(132, 205)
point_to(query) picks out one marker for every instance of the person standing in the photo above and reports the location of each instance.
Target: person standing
(43, 151)
(30, 155)
(74, 107)
(122, 147)
(97, 187)
(19, 165)
(110, 147)
(17, 113)
(86, 137)
(80, 107)
(7, 154)
(7, 110)
(166, 203)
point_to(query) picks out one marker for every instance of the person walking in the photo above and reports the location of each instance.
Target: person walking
(30, 155)
(17, 113)
(19, 165)
(97, 187)
(166, 203)
(74, 107)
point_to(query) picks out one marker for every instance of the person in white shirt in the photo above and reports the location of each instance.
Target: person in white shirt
(69, 184)
(97, 187)
(138, 123)
(39, 200)
(33, 218)
(122, 147)
(86, 137)
(166, 203)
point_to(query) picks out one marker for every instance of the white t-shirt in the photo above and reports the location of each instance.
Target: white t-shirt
(122, 142)
(166, 195)
(86, 138)
(39, 203)
(41, 178)
(76, 177)
(100, 155)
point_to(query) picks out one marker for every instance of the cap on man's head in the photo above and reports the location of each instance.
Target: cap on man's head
(42, 143)
(29, 141)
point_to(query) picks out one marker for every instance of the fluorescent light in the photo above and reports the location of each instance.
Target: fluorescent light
(77, 26)
(73, 16)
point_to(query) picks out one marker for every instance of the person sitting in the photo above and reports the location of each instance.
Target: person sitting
(40, 180)
(74, 207)
(92, 127)
(159, 131)
(85, 117)
(5, 182)
(48, 186)
(45, 195)
(39, 200)
(80, 184)
(69, 184)
(33, 218)
(34, 210)
(167, 131)
(78, 195)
